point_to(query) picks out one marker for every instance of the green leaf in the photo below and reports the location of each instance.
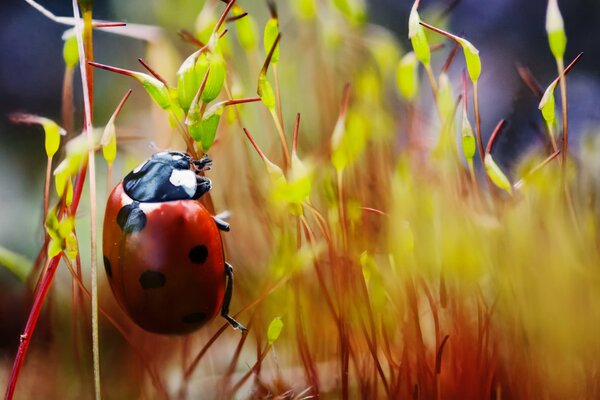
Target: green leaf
(270, 35)
(71, 246)
(15, 263)
(54, 248)
(416, 34)
(274, 330)
(407, 76)
(496, 174)
(557, 39)
(70, 50)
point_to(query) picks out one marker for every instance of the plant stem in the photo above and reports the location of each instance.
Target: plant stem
(67, 100)
(477, 120)
(85, 31)
(284, 147)
(565, 115)
(277, 92)
(34, 314)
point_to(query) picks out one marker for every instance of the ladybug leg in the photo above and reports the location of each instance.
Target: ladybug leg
(203, 185)
(227, 300)
(202, 164)
(222, 225)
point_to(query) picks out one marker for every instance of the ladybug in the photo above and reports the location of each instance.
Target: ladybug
(163, 252)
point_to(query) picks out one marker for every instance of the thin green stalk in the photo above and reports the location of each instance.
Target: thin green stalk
(82, 29)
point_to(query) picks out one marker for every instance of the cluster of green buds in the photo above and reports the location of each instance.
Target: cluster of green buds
(200, 80)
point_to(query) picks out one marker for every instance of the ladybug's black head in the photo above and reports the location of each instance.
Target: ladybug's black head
(167, 176)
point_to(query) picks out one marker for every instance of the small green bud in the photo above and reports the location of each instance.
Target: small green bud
(472, 58)
(155, 88)
(468, 139)
(407, 76)
(265, 91)
(274, 330)
(216, 77)
(70, 51)
(417, 37)
(547, 104)
(187, 81)
(557, 39)
(247, 30)
(270, 35)
(496, 175)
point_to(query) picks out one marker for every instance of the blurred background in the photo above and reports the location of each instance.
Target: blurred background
(506, 32)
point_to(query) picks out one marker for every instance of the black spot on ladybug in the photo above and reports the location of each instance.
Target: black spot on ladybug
(152, 280)
(194, 318)
(131, 218)
(107, 267)
(198, 254)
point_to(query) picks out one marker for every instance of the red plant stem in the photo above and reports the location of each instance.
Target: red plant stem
(108, 24)
(30, 326)
(494, 135)
(223, 16)
(153, 72)
(188, 37)
(255, 145)
(241, 101)
(296, 132)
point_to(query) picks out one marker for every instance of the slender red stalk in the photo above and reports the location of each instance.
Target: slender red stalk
(153, 72)
(494, 135)
(241, 101)
(296, 132)
(189, 37)
(34, 314)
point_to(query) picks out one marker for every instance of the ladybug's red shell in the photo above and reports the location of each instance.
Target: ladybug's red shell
(164, 262)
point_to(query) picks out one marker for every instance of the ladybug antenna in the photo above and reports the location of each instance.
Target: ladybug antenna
(202, 164)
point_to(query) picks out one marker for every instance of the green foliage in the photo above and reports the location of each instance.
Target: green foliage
(274, 330)
(407, 76)
(18, 265)
(496, 175)
(349, 141)
(265, 91)
(418, 39)
(271, 32)
(70, 51)
(557, 39)
(247, 30)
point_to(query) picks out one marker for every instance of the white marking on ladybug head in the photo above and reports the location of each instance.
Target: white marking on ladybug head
(176, 157)
(185, 178)
(125, 199)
